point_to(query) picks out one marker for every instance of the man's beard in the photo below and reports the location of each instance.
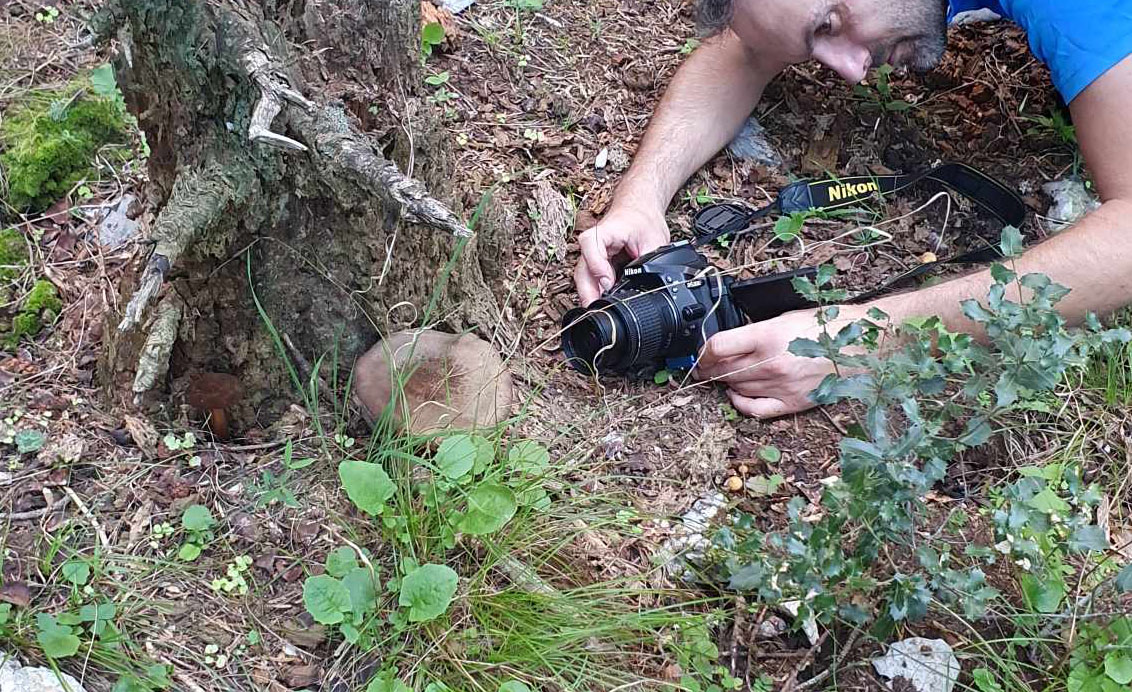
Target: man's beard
(925, 30)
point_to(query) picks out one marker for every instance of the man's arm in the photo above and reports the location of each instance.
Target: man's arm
(707, 102)
(1094, 259)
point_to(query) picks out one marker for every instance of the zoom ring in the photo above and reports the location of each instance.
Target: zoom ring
(647, 312)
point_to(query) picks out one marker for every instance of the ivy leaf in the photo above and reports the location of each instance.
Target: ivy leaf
(1088, 538)
(529, 456)
(340, 561)
(490, 506)
(326, 599)
(456, 456)
(367, 485)
(363, 592)
(197, 518)
(56, 641)
(1011, 244)
(1043, 596)
(1118, 667)
(1124, 580)
(76, 571)
(1047, 501)
(427, 591)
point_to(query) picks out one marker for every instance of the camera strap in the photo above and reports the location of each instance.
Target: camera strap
(765, 297)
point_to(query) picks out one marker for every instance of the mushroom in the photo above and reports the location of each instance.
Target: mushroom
(215, 392)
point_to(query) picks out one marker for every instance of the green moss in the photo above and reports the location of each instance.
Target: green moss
(50, 140)
(13, 254)
(40, 306)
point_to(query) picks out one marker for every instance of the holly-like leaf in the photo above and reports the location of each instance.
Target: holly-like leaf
(340, 561)
(490, 507)
(1124, 580)
(427, 591)
(1118, 667)
(1088, 538)
(529, 456)
(76, 571)
(1011, 244)
(1047, 501)
(978, 431)
(326, 599)
(367, 485)
(456, 456)
(197, 518)
(56, 641)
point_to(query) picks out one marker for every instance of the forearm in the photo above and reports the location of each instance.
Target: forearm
(705, 105)
(1093, 259)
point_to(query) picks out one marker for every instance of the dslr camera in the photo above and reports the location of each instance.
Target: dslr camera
(663, 308)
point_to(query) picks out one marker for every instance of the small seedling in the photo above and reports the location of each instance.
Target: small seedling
(47, 14)
(233, 581)
(197, 522)
(177, 444)
(432, 35)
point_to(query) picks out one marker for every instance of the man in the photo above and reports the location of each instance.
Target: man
(1087, 46)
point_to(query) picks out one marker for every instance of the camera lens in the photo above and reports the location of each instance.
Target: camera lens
(619, 334)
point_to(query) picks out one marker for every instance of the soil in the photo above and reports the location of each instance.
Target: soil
(537, 97)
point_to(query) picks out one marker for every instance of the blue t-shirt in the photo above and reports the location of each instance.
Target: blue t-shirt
(1078, 41)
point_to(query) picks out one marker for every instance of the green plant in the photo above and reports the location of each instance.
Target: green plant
(1054, 124)
(13, 255)
(47, 14)
(698, 658)
(689, 46)
(197, 523)
(234, 580)
(882, 96)
(432, 35)
(1101, 661)
(924, 399)
(525, 5)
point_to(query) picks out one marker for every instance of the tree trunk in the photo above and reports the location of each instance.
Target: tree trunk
(279, 133)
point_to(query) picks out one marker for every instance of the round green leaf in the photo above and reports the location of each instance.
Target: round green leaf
(363, 590)
(514, 686)
(427, 591)
(197, 518)
(770, 454)
(56, 640)
(456, 456)
(527, 455)
(385, 682)
(432, 32)
(1118, 667)
(340, 561)
(490, 506)
(326, 599)
(367, 485)
(76, 571)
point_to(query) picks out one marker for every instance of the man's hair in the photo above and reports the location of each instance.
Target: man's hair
(713, 16)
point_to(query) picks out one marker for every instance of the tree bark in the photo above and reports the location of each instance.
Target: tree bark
(293, 170)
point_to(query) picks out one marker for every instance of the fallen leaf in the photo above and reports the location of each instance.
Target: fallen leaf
(16, 593)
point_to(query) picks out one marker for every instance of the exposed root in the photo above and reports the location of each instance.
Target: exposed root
(199, 200)
(153, 362)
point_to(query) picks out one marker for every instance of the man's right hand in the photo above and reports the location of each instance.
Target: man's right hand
(624, 234)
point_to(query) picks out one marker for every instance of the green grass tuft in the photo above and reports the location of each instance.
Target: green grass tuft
(41, 306)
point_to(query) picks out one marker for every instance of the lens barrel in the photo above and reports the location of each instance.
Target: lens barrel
(620, 333)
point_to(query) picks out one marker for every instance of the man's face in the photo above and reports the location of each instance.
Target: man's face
(848, 36)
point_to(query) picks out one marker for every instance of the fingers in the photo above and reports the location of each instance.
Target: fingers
(761, 407)
(740, 368)
(597, 245)
(588, 288)
(744, 341)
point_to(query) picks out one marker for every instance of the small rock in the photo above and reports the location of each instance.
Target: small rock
(602, 159)
(751, 144)
(773, 626)
(14, 678)
(116, 227)
(1071, 201)
(455, 381)
(613, 445)
(928, 664)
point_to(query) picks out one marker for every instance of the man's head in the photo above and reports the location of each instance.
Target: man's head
(848, 36)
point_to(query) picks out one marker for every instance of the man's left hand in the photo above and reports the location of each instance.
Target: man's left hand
(764, 380)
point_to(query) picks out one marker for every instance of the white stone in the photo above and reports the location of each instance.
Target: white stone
(15, 678)
(928, 664)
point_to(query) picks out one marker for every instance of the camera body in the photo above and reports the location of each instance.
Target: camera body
(664, 307)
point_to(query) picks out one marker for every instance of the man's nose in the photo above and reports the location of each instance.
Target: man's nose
(844, 57)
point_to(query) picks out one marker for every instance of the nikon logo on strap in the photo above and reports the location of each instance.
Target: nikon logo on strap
(845, 191)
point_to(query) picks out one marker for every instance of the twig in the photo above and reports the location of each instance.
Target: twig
(89, 515)
(34, 513)
(792, 681)
(817, 679)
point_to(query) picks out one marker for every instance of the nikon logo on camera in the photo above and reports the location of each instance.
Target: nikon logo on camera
(633, 270)
(851, 190)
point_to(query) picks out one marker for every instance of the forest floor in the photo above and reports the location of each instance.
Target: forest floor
(550, 98)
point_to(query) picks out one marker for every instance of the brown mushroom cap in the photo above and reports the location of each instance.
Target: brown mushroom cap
(214, 390)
